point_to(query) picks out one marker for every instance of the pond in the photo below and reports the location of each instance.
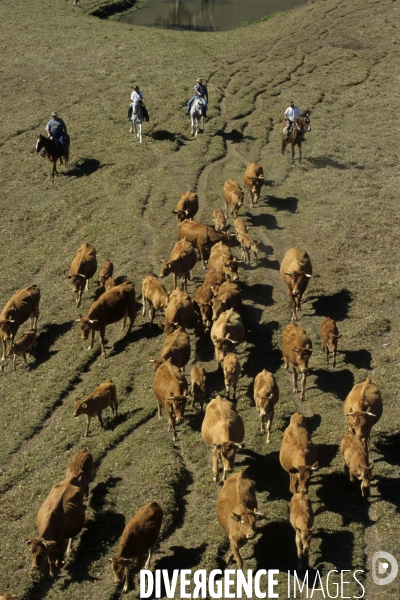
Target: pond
(206, 15)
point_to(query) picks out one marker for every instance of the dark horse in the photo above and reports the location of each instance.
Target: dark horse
(296, 135)
(53, 150)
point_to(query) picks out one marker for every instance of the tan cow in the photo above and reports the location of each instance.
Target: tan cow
(362, 409)
(25, 344)
(170, 388)
(222, 261)
(187, 206)
(249, 247)
(110, 283)
(253, 180)
(296, 271)
(23, 305)
(228, 296)
(106, 272)
(356, 461)
(7, 596)
(329, 337)
(223, 431)
(296, 350)
(155, 294)
(176, 348)
(298, 455)
(266, 395)
(302, 521)
(233, 196)
(214, 279)
(138, 538)
(180, 311)
(240, 226)
(83, 267)
(237, 513)
(232, 372)
(202, 302)
(203, 238)
(219, 220)
(198, 382)
(112, 306)
(226, 333)
(180, 263)
(81, 467)
(103, 396)
(60, 518)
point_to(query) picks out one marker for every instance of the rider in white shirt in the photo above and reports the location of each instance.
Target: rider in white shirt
(136, 97)
(291, 114)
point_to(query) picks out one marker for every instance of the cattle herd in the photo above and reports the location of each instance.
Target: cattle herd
(214, 312)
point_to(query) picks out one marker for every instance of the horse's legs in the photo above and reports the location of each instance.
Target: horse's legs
(202, 123)
(192, 120)
(283, 145)
(140, 132)
(292, 155)
(300, 152)
(131, 127)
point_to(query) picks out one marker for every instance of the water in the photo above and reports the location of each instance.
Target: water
(206, 15)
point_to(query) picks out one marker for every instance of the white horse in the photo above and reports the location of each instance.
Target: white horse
(136, 121)
(197, 116)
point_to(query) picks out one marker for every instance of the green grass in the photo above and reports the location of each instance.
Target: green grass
(262, 19)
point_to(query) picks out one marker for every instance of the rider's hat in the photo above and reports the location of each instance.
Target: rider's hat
(291, 103)
(199, 80)
(54, 114)
(136, 88)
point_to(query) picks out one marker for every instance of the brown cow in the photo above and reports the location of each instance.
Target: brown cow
(81, 466)
(203, 238)
(296, 271)
(329, 337)
(362, 409)
(296, 350)
(198, 382)
(249, 247)
(103, 396)
(60, 518)
(180, 263)
(187, 206)
(219, 220)
(7, 596)
(112, 306)
(202, 302)
(266, 395)
(233, 196)
(155, 294)
(226, 333)
(214, 279)
(232, 371)
(237, 513)
(356, 461)
(240, 226)
(23, 305)
(298, 455)
(110, 283)
(25, 344)
(176, 348)
(223, 431)
(139, 537)
(222, 261)
(228, 296)
(180, 311)
(302, 520)
(83, 267)
(170, 388)
(106, 272)
(253, 180)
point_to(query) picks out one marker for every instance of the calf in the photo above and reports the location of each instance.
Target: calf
(266, 395)
(249, 247)
(296, 271)
(81, 467)
(298, 455)
(180, 263)
(25, 344)
(139, 537)
(110, 283)
(226, 333)
(228, 296)
(253, 180)
(7, 596)
(219, 220)
(237, 513)
(329, 337)
(302, 521)
(356, 462)
(24, 304)
(232, 371)
(180, 311)
(223, 431)
(198, 381)
(214, 279)
(222, 261)
(155, 294)
(362, 409)
(204, 238)
(240, 226)
(296, 350)
(106, 272)
(176, 348)
(103, 396)
(170, 389)
(187, 206)
(233, 196)
(83, 267)
(202, 302)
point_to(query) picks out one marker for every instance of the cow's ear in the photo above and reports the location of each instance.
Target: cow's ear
(314, 467)
(236, 517)
(174, 212)
(239, 446)
(84, 405)
(295, 350)
(217, 446)
(288, 273)
(29, 542)
(308, 276)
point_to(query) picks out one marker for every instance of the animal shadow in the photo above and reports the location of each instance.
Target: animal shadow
(361, 359)
(389, 490)
(276, 548)
(265, 220)
(388, 445)
(335, 305)
(45, 340)
(323, 162)
(337, 382)
(187, 557)
(340, 496)
(290, 203)
(86, 166)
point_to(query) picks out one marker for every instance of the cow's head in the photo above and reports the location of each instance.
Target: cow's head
(177, 406)
(365, 477)
(247, 520)
(118, 565)
(230, 268)
(223, 346)
(263, 403)
(303, 356)
(205, 311)
(239, 193)
(181, 214)
(79, 408)
(169, 327)
(227, 453)
(8, 328)
(255, 184)
(305, 536)
(157, 362)
(166, 268)
(78, 282)
(360, 422)
(87, 325)
(303, 476)
(41, 550)
(298, 281)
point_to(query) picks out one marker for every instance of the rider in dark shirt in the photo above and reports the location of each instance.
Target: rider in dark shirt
(200, 91)
(56, 128)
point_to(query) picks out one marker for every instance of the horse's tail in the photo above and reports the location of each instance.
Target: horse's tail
(67, 143)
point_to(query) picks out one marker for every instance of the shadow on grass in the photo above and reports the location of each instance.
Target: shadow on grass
(326, 453)
(338, 382)
(361, 359)
(388, 445)
(276, 548)
(162, 135)
(323, 162)
(86, 166)
(235, 136)
(389, 490)
(265, 220)
(340, 496)
(182, 556)
(48, 335)
(336, 306)
(290, 203)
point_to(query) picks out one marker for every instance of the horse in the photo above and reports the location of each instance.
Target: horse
(136, 121)
(197, 116)
(53, 150)
(296, 135)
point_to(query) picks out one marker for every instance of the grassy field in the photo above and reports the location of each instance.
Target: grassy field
(338, 58)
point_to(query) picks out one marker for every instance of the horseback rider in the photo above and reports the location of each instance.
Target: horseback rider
(137, 98)
(291, 114)
(200, 91)
(57, 130)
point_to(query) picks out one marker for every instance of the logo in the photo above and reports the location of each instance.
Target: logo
(384, 559)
